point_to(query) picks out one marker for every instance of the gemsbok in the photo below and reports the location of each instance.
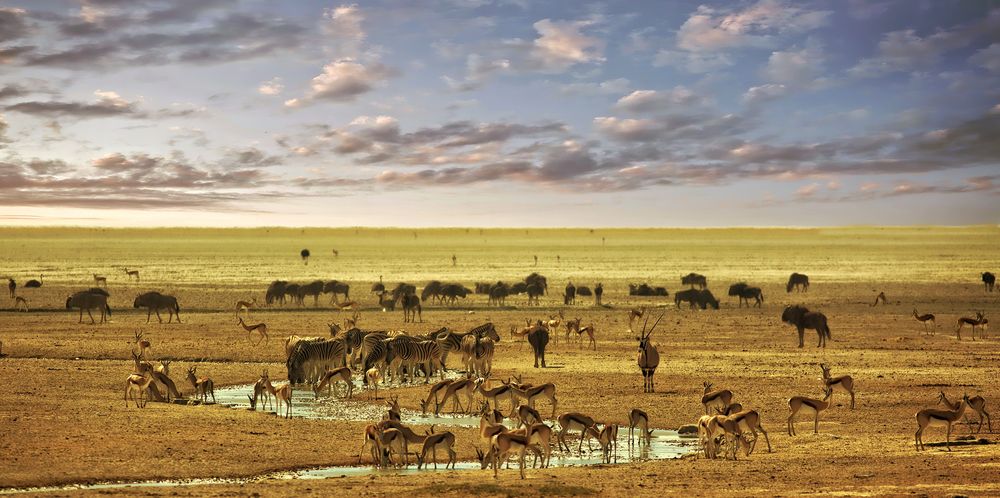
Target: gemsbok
(806, 405)
(932, 416)
(649, 357)
(923, 319)
(977, 403)
(718, 397)
(842, 382)
(260, 328)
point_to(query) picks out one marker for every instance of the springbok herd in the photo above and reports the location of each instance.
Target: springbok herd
(381, 356)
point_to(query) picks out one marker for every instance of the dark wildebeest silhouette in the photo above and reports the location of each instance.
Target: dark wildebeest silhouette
(431, 291)
(570, 296)
(517, 288)
(598, 293)
(989, 280)
(85, 300)
(314, 289)
(292, 292)
(34, 284)
(694, 280)
(538, 338)
(411, 308)
(746, 293)
(584, 291)
(797, 281)
(98, 290)
(540, 280)
(154, 302)
(482, 288)
(498, 294)
(275, 292)
(451, 293)
(803, 319)
(696, 297)
(379, 287)
(403, 289)
(535, 290)
(646, 290)
(335, 287)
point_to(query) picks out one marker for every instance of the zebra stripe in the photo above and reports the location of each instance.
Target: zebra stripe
(411, 352)
(483, 364)
(372, 351)
(309, 359)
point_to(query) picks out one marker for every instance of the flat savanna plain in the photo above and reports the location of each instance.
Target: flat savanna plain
(63, 420)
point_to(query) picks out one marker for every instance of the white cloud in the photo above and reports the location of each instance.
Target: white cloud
(272, 86)
(477, 72)
(709, 29)
(344, 80)
(344, 26)
(764, 93)
(653, 100)
(988, 57)
(629, 130)
(111, 99)
(562, 44)
(794, 67)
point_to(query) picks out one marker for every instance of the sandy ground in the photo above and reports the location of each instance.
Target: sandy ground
(64, 420)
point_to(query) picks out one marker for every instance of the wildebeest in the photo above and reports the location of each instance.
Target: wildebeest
(584, 291)
(482, 288)
(292, 291)
(989, 280)
(335, 287)
(517, 288)
(431, 291)
(411, 308)
(697, 297)
(451, 292)
(86, 300)
(694, 280)
(314, 289)
(403, 289)
(498, 293)
(540, 280)
(797, 281)
(803, 319)
(275, 292)
(538, 338)
(745, 293)
(154, 302)
(646, 290)
(535, 290)
(569, 297)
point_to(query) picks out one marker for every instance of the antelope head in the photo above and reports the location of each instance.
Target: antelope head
(708, 386)
(645, 335)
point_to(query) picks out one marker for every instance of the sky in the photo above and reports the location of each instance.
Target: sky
(499, 113)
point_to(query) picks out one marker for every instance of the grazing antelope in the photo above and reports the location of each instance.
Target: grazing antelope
(371, 441)
(503, 445)
(436, 390)
(465, 387)
(492, 395)
(931, 416)
(260, 328)
(927, 317)
(806, 405)
(533, 393)
(392, 441)
(331, 377)
(717, 397)
(721, 427)
(98, 280)
(649, 357)
(539, 442)
(260, 391)
(245, 305)
(842, 382)
(282, 394)
(373, 376)
(633, 315)
(639, 419)
(707, 427)
(574, 421)
(880, 297)
(131, 273)
(980, 321)
(137, 383)
(203, 386)
(977, 403)
(21, 303)
(433, 442)
(526, 415)
(140, 345)
(745, 421)
(607, 438)
(589, 330)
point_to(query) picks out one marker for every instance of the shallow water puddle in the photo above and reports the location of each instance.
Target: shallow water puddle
(664, 444)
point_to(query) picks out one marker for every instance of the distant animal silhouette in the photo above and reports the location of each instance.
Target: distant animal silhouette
(694, 280)
(927, 317)
(34, 284)
(989, 280)
(797, 281)
(744, 292)
(803, 319)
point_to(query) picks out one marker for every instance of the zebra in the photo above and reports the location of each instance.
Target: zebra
(470, 346)
(452, 341)
(391, 347)
(353, 338)
(372, 351)
(411, 353)
(483, 358)
(310, 358)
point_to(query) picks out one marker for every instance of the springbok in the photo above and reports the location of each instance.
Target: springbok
(880, 297)
(931, 416)
(633, 315)
(203, 386)
(806, 405)
(977, 403)
(140, 345)
(245, 305)
(373, 376)
(21, 303)
(435, 441)
(638, 419)
(649, 357)
(282, 394)
(331, 377)
(607, 438)
(842, 382)
(137, 383)
(717, 397)
(927, 317)
(980, 321)
(436, 390)
(574, 421)
(260, 328)
(464, 387)
(530, 394)
(98, 280)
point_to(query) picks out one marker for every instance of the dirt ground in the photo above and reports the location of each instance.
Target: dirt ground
(63, 420)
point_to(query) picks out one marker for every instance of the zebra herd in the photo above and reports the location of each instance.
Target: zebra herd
(399, 356)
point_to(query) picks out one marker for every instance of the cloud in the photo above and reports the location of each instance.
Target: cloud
(344, 27)
(607, 87)
(12, 24)
(107, 104)
(757, 95)
(652, 100)
(628, 130)
(272, 86)
(988, 58)
(710, 29)
(344, 80)
(13, 90)
(478, 70)
(562, 44)
(692, 62)
(798, 68)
